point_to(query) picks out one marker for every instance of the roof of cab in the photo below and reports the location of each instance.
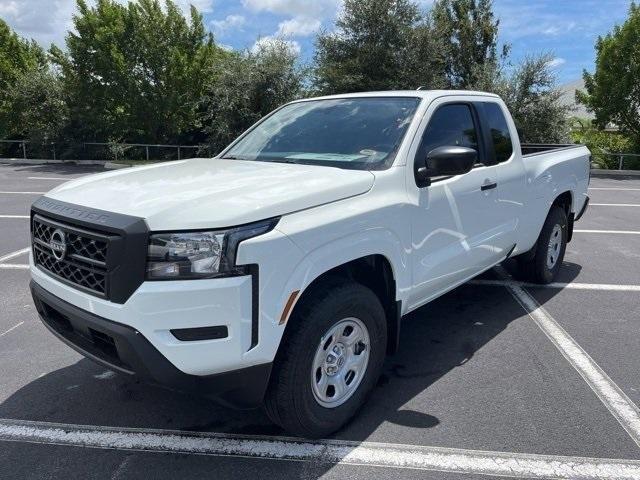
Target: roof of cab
(431, 94)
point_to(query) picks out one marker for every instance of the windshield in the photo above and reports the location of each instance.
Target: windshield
(358, 133)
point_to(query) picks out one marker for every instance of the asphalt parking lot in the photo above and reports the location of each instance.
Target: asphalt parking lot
(494, 379)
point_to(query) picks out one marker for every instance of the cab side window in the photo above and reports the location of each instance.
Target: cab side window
(500, 135)
(450, 125)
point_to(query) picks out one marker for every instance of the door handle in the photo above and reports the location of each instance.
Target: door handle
(488, 186)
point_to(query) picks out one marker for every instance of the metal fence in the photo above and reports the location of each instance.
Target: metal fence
(617, 161)
(121, 148)
(22, 145)
(98, 150)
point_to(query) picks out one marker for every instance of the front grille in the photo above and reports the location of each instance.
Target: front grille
(83, 259)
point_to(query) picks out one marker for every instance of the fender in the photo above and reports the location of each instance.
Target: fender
(286, 268)
(547, 181)
(342, 250)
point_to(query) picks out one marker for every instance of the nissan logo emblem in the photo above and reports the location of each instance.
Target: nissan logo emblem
(58, 244)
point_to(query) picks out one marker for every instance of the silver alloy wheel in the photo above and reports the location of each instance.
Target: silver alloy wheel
(340, 362)
(555, 244)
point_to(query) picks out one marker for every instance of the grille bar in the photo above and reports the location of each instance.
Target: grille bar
(89, 268)
(68, 273)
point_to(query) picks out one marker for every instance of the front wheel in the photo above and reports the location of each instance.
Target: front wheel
(330, 359)
(548, 252)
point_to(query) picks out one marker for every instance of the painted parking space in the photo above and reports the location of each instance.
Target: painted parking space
(602, 258)
(15, 260)
(14, 237)
(17, 204)
(605, 320)
(619, 196)
(610, 218)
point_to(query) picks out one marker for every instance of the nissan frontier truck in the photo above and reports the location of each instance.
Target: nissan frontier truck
(278, 272)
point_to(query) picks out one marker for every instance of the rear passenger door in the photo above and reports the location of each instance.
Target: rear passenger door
(454, 226)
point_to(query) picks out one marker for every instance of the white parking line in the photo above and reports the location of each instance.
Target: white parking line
(14, 216)
(611, 204)
(11, 329)
(13, 266)
(328, 452)
(613, 232)
(106, 375)
(15, 254)
(559, 285)
(23, 193)
(616, 401)
(609, 188)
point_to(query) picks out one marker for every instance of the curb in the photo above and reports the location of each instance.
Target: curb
(43, 161)
(620, 174)
(115, 166)
(107, 164)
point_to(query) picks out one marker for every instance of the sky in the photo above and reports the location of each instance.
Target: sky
(567, 29)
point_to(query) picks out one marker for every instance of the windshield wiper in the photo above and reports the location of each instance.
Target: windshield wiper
(281, 160)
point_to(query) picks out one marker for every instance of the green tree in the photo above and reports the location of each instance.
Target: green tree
(136, 72)
(470, 33)
(39, 113)
(248, 86)
(378, 45)
(603, 144)
(613, 90)
(531, 93)
(17, 57)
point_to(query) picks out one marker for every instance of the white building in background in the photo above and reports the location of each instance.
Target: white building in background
(569, 98)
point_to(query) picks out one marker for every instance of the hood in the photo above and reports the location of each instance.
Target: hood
(212, 193)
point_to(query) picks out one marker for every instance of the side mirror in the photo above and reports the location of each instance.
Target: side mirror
(450, 161)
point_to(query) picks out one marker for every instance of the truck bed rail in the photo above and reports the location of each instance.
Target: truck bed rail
(529, 149)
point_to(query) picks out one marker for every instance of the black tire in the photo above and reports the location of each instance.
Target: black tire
(534, 266)
(290, 401)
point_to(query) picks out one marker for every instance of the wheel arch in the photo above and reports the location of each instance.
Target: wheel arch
(565, 201)
(373, 270)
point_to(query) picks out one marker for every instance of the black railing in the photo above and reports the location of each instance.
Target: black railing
(25, 149)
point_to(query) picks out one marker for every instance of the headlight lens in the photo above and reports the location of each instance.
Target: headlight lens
(185, 255)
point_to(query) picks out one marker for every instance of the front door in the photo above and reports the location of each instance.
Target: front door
(454, 226)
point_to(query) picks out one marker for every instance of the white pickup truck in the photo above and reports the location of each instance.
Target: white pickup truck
(278, 272)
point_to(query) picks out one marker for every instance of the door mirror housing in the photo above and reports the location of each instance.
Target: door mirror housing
(448, 161)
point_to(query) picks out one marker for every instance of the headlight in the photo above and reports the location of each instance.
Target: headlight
(184, 255)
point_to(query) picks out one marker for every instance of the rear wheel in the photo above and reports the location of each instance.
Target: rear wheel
(548, 253)
(330, 359)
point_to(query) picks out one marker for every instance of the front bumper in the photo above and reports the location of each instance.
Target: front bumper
(157, 308)
(123, 348)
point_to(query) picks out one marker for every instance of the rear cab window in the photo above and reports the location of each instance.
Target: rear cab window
(499, 132)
